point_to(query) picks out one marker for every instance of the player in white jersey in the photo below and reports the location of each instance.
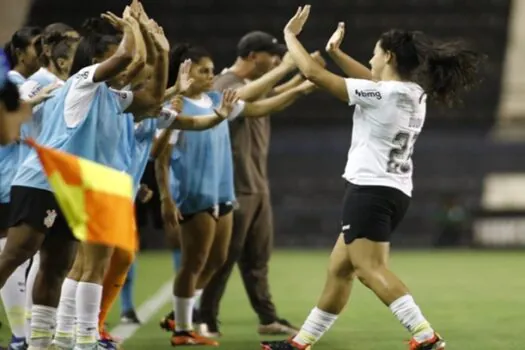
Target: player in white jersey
(390, 104)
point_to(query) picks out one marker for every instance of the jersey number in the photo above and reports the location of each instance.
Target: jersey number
(399, 156)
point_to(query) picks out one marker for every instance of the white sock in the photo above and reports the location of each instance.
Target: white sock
(411, 317)
(89, 297)
(42, 326)
(317, 323)
(35, 265)
(197, 296)
(14, 298)
(65, 331)
(183, 308)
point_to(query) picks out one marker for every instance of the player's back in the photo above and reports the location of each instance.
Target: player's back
(388, 118)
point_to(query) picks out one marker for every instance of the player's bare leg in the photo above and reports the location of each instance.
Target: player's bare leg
(334, 298)
(197, 237)
(370, 260)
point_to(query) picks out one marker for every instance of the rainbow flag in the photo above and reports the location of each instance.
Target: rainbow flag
(97, 201)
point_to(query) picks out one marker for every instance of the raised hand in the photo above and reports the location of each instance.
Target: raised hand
(158, 36)
(44, 94)
(184, 82)
(229, 99)
(296, 23)
(117, 22)
(336, 39)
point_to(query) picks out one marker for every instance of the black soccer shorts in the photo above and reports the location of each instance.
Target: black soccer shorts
(372, 212)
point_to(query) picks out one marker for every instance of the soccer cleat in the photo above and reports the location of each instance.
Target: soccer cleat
(279, 327)
(283, 345)
(104, 335)
(168, 322)
(191, 338)
(210, 329)
(17, 344)
(129, 317)
(436, 343)
(108, 344)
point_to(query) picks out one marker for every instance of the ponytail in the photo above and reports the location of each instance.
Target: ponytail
(451, 68)
(444, 69)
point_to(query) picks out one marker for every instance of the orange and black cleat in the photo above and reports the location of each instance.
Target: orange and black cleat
(436, 343)
(167, 323)
(191, 338)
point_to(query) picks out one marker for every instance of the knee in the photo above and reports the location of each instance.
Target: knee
(342, 271)
(368, 271)
(15, 255)
(219, 259)
(194, 265)
(75, 273)
(94, 270)
(52, 271)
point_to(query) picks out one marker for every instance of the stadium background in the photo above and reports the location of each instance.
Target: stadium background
(468, 171)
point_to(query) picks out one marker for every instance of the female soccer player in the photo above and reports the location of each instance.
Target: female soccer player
(55, 49)
(390, 102)
(202, 164)
(94, 258)
(22, 58)
(83, 119)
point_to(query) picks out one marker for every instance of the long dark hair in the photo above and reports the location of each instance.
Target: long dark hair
(97, 37)
(181, 52)
(443, 68)
(55, 43)
(20, 40)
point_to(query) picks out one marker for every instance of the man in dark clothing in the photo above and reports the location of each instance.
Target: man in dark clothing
(252, 237)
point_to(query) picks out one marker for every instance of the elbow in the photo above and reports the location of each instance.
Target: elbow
(311, 72)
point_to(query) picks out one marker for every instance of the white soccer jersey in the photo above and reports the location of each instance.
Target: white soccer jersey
(388, 118)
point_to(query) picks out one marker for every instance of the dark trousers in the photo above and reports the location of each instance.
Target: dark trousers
(250, 248)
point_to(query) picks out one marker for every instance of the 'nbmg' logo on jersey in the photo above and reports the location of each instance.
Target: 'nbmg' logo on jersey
(369, 93)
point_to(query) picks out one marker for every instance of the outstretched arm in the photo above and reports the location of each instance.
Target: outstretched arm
(306, 64)
(277, 103)
(351, 67)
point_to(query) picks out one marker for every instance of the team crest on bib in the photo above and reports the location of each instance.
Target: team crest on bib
(49, 220)
(216, 211)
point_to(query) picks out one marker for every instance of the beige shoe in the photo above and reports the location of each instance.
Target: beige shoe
(277, 328)
(205, 331)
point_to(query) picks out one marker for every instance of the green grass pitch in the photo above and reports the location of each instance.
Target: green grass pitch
(476, 300)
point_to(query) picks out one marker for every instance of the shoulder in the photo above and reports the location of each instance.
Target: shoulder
(227, 80)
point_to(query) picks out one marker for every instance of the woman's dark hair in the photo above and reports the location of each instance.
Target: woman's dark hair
(443, 68)
(58, 27)
(56, 39)
(20, 40)
(181, 52)
(97, 37)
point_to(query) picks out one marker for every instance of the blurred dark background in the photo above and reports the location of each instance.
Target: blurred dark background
(311, 139)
